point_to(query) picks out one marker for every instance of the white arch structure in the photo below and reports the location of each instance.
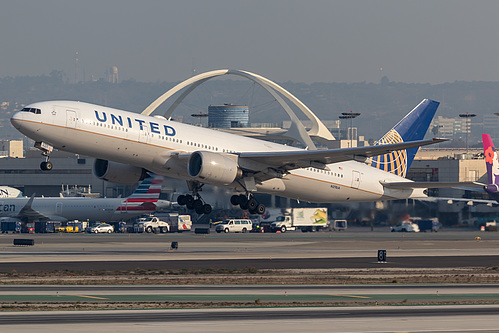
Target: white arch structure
(296, 131)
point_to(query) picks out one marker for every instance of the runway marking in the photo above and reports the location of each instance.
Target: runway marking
(89, 296)
(353, 296)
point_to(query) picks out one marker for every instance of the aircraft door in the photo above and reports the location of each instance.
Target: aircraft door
(70, 118)
(355, 179)
(124, 207)
(58, 208)
(144, 135)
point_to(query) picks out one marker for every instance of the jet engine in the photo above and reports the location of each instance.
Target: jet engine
(118, 172)
(212, 168)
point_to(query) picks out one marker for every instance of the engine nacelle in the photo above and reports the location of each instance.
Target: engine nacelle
(212, 168)
(118, 172)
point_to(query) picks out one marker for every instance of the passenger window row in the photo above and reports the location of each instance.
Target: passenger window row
(334, 174)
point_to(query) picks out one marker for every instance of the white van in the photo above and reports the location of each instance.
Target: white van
(234, 225)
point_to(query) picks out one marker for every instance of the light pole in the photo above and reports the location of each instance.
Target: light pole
(467, 116)
(200, 116)
(349, 115)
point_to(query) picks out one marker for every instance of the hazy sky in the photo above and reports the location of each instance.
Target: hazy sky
(302, 41)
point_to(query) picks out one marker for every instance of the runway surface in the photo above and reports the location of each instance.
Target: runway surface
(247, 294)
(293, 250)
(356, 249)
(310, 319)
(297, 263)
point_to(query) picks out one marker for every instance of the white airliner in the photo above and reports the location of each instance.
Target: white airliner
(9, 192)
(126, 143)
(144, 200)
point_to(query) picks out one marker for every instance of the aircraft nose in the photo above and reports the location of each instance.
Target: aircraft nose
(16, 119)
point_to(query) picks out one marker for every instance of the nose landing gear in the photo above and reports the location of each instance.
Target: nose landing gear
(46, 165)
(46, 150)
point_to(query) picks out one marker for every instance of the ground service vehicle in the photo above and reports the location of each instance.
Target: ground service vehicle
(9, 224)
(101, 228)
(305, 219)
(179, 223)
(44, 227)
(428, 225)
(150, 224)
(339, 225)
(405, 226)
(235, 225)
(28, 228)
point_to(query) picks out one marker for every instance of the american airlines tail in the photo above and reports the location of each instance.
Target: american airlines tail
(413, 127)
(492, 163)
(145, 197)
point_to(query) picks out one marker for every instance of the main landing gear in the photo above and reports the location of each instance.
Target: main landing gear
(194, 202)
(248, 202)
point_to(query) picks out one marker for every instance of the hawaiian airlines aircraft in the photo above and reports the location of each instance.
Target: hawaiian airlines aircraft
(126, 144)
(144, 200)
(492, 186)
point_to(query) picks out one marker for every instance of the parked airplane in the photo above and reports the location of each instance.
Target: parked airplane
(9, 192)
(144, 200)
(492, 163)
(492, 186)
(125, 144)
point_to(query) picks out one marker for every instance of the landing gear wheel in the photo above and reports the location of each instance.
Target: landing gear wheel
(252, 204)
(198, 204)
(207, 209)
(260, 209)
(189, 200)
(181, 200)
(243, 201)
(244, 206)
(46, 166)
(234, 200)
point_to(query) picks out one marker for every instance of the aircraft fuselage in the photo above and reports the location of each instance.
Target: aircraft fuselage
(154, 143)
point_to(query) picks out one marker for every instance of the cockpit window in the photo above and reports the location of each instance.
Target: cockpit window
(32, 110)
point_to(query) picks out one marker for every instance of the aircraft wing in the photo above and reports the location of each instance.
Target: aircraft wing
(30, 213)
(295, 159)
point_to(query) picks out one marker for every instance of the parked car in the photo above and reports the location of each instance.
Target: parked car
(235, 225)
(101, 228)
(405, 226)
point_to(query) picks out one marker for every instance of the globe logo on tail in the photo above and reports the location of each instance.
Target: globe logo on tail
(394, 162)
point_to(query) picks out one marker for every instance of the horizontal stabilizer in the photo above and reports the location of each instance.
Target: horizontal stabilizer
(410, 185)
(450, 201)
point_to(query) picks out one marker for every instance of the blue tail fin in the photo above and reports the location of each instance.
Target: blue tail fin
(412, 127)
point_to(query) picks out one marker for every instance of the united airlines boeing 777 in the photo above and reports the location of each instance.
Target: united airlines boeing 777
(126, 144)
